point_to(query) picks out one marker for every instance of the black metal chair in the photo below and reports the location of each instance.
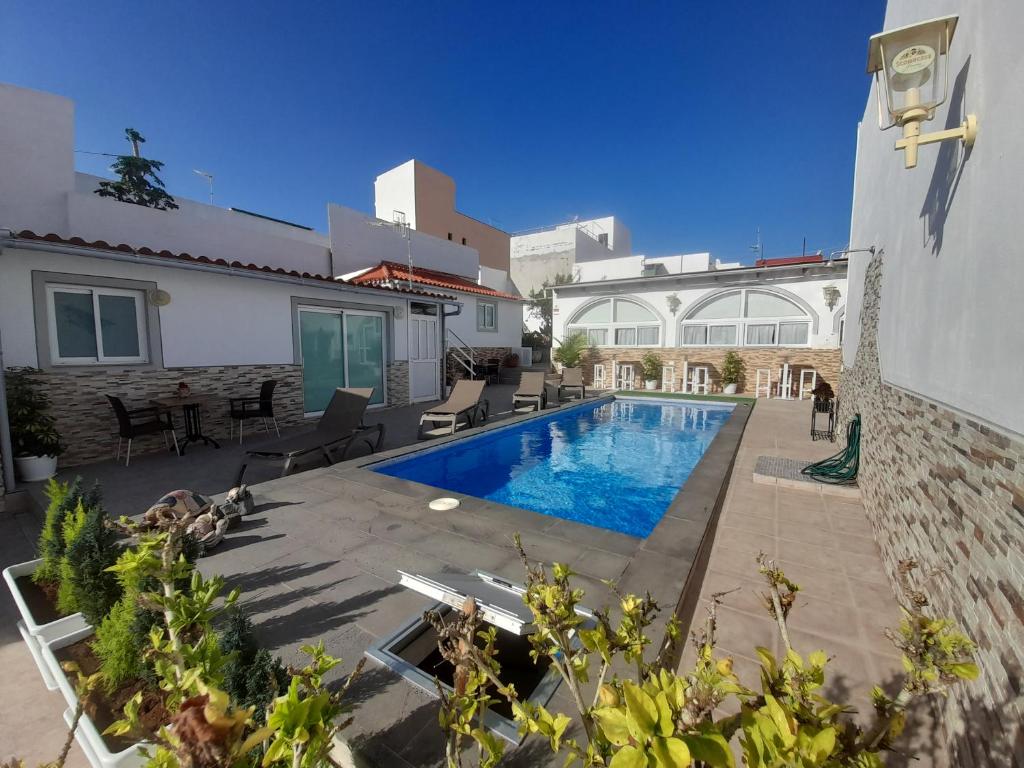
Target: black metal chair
(262, 407)
(136, 422)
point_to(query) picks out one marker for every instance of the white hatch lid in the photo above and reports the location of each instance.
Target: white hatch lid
(500, 602)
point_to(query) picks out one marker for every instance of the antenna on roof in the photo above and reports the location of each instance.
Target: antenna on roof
(402, 227)
(758, 247)
(208, 177)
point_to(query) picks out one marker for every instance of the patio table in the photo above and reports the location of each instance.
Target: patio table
(191, 408)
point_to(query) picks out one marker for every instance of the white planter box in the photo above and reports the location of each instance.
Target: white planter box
(36, 649)
(86, 734)
(44, 633)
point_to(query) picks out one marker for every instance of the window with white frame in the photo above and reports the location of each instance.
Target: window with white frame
(486, 316)
(93, 325)
(617, 322)
(747, 317)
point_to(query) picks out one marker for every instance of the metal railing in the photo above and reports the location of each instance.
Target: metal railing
(462, 353)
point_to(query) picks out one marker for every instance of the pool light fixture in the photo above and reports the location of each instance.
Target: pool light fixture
(443, 504)
(910, 65)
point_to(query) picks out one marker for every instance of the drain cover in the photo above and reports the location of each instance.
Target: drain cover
(445, 502)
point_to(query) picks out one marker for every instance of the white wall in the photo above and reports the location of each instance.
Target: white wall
(498, 279)
(610, 268)
(655, 292)
(197, 229)
(37, 161)
(951, 318)
(395, 190)
(510, 323)
(213, 319)
(357, 244)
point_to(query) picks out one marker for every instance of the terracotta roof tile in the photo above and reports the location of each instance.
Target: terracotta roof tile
(102, 245)
(393, 273)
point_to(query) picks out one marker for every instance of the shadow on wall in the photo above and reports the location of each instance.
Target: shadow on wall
(949, 167)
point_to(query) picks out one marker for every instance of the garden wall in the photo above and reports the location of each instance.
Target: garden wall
(947, 490)
(826, 362)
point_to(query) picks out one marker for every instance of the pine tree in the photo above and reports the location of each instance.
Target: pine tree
(95, 589)
(139, 183)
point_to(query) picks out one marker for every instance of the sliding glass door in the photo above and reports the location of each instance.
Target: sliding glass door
(364, 350)
(340, 348)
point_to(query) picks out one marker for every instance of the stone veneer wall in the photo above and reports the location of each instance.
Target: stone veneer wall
(827, 362)
(949, 492)
(86, 421)
(398, 382)
(456, 371)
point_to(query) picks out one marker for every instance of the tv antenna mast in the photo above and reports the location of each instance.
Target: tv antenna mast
(209, 177)
(758, 247)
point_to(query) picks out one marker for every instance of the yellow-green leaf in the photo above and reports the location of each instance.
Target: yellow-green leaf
(614, 726)
(710, 748)
(965, 671)
(666, 723)
(629, 757)
(643, 712)
(670, 753)
(823, 744)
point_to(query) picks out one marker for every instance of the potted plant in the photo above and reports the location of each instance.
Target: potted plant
(732, 372)
(35, 441)
(650, 363)
(570, 351)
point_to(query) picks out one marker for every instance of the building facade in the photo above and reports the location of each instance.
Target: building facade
(105, 297)
(934, 352)
(426, 198)
(774, 317)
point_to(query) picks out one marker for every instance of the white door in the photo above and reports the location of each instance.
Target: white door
(424, 358)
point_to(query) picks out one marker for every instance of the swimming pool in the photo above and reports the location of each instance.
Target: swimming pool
(616, 465)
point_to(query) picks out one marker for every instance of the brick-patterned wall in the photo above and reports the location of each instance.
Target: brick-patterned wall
(398, 382)
(456, 371)
(826, 362)
(86, 421)
(948, 491)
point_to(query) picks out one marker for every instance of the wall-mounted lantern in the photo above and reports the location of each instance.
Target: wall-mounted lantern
(914, 71)
(832, 295)
(673, 303)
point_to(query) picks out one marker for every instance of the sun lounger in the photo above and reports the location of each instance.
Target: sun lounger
(340, 426)
(531, 391)
(465, 402)
(572, 378)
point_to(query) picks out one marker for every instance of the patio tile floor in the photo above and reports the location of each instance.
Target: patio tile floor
(825, 545)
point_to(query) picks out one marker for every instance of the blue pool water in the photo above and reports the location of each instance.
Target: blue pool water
(615, 465)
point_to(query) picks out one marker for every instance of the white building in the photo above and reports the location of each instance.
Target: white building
(110, 297)
(775, 315)
(934, 356)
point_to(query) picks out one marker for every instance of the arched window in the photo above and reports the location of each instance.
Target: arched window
(617, 323)
(746, 317)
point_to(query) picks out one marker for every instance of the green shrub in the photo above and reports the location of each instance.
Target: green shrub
(570, 351)
(33, 427)
(63, 499)
(651, 365)
(251, 676)
(732, 368)
(71, 528)
(95, 589)
(119, 643)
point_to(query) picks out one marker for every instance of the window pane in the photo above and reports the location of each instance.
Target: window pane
(647, 336)
(322, 358)
(722, 335)
(695, 334)
(597, 337)
(631, 312)
(601, 312)
(76, 324)
(725, 306)
(119, 325)
(625, 337)
(769, 305)
(793, 333)
(364, 338)
(761, 334)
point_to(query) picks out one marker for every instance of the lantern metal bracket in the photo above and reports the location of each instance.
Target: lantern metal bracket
(913, 138)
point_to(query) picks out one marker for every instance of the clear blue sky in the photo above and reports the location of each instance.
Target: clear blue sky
(692, 121)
